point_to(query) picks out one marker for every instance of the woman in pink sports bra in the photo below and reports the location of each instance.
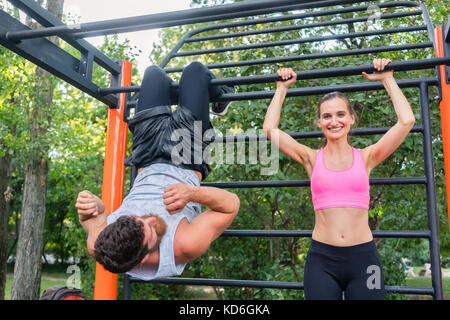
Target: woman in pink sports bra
(342, 258)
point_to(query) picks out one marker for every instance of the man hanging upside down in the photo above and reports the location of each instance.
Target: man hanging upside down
(160, 227)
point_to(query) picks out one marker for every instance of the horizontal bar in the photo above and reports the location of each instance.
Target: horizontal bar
(225, 283)
(306, 183)
(410, 290)
(397, 181)
(301, 40)
(267, 284)
(303, 26)
(310, 74)
(312, 134)
(312, 56)
(187, 20)
(134, 88)
(303, 15)
(416, 64)
(256, 11)
(166, 19)
(308, 233)
(319, 90)
(139, 21)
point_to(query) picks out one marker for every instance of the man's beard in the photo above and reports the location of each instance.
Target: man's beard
(160, 229)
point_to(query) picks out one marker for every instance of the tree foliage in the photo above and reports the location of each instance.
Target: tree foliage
(76, 144)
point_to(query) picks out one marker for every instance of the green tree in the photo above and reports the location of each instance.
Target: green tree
(74, 144)
(27, 271)
(7, 133)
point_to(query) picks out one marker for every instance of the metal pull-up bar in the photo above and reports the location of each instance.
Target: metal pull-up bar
(302, 40)
(319, 90)
(309, 74)
(174, 18)
(312, 56)
(298, 27)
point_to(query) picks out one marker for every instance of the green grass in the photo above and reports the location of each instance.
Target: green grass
(52, 277)
(47, 280)
(426, 282)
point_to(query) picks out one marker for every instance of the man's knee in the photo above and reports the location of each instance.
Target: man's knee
(195, 69)
(154, 71)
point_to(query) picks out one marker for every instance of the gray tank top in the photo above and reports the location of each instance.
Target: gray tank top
(145, 198)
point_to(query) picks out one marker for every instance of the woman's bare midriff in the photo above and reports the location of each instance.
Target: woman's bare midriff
(342, 226)
(199, 175)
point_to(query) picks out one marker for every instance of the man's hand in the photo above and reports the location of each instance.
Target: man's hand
(177, 196)
(88, 206)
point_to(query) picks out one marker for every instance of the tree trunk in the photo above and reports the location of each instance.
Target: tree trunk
(5, 196)
(27, 269)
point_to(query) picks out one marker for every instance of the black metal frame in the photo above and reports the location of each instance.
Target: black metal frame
(427, 180)
(32, 45)
(425, 130)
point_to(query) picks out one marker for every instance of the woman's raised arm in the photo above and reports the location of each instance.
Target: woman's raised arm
(284, 142)
(405, 116)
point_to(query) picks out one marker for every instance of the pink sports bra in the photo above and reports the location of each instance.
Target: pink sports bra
(340, 188)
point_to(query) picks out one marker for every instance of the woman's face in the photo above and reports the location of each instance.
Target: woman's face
(335, 119)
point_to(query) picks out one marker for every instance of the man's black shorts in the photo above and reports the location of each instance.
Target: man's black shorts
(158, 137)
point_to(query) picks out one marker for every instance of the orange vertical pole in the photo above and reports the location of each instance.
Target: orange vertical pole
(113, 179)
(445, 113)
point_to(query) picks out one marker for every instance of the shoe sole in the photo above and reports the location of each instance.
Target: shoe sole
(223, 112)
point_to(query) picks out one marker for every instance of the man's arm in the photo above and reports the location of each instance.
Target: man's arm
(196, 237)
(92, 216)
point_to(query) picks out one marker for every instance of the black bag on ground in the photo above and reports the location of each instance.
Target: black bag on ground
(63, 293)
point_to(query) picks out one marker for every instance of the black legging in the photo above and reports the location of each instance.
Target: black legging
(194, 90)
(355, 271)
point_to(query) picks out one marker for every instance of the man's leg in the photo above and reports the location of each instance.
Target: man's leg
(195, 90)
(156, 89)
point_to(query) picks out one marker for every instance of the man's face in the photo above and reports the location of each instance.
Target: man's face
(154, 229)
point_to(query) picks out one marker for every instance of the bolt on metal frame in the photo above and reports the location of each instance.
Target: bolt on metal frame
(32, 45)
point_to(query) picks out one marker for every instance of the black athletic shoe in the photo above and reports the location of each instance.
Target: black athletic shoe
(220, 108)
